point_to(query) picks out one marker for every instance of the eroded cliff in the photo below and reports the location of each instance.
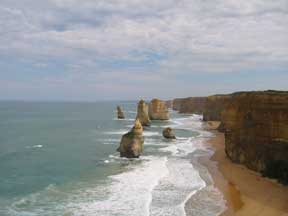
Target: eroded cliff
(256, 132)
(189, 105)
(214, 105)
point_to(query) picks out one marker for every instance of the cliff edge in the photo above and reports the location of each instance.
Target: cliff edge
(256, 132)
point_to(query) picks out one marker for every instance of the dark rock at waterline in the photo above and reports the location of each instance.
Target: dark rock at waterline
(120, 113)
(221, 128)
(168, 133)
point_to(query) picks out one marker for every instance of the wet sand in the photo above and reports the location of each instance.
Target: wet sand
(246, 192)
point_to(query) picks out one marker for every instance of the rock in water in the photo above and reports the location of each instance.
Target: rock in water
(120, 113)
(142, 114)
(158, 110)
(131, 145)
(168, 133)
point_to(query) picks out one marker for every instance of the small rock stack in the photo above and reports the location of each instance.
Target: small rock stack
(120, 113)
(168, 133)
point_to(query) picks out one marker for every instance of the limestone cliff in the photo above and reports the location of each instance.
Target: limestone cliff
(120, 113)
(169, 104)
(214, 105)
(131, 145)
(142, 113)
(176, 103)
(256, 132)
(189, 105)
(158, 110)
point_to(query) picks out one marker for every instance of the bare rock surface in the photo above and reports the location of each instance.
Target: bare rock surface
(142, 113)
(168, 133)
(158, 110)
(131, 145)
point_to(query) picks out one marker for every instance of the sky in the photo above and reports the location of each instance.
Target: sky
(87, 50)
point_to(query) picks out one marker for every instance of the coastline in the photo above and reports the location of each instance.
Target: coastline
(246, 192)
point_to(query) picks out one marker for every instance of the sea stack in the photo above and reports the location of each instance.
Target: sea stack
(168, 133)
(120, 113)
(158, 110)
(142, 113)
(131, 145)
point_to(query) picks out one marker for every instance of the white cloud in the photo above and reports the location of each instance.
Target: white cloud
(179, 36)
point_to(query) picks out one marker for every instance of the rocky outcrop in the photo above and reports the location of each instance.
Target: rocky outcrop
(142, 113)
(120, 113)
(211, 125)
(131, 145)
(158, 110)
(221, 128)
(214, 105)
(189, 105)
(169, 104)
(176, 103)
(256, 132)
(168, 133)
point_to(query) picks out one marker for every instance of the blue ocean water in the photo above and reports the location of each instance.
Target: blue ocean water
(60, 159)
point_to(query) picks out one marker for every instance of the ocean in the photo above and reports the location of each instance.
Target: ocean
(60, 159)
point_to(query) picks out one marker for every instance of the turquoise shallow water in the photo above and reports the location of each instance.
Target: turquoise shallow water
(60, 159)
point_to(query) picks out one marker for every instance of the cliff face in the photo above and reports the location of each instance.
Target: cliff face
(189, 105)
(142, 113)
(169, 104)
(176, 103)
(256, 132)
(214, 106)
(158, 110)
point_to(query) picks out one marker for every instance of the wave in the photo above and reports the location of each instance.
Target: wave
(35, 146)
(122, 132)
(172, 192)
(130, 193)
(151, 185)
(126, 119)
(119, 132)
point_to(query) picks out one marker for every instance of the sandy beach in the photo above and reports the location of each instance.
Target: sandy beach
(246, 192)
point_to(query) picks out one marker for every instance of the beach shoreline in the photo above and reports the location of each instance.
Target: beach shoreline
(246, 192)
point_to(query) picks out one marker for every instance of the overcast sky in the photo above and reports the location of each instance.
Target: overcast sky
(126, 49)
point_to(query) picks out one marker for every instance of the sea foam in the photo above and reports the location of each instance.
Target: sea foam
(130, 193)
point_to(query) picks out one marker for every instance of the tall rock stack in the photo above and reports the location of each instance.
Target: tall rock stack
(158, 110)
(256, 132)
(142, 113)
(120, 113)
(131, 145)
